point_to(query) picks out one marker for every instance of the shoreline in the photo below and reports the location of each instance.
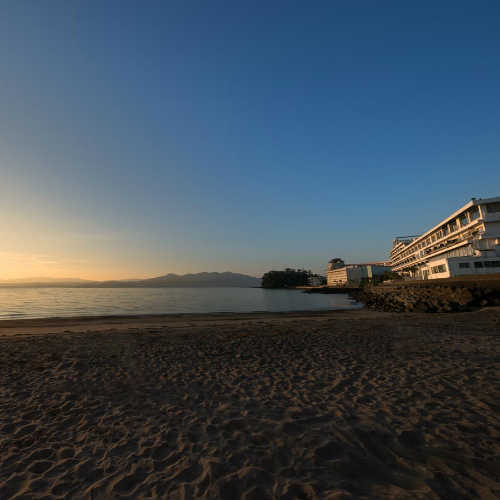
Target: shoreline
(121, 320)
(57, 324)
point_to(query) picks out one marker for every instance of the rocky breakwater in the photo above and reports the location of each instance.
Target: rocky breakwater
(430, 297)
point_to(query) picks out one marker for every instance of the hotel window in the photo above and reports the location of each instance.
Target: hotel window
(464, 265)
(463, 220)
(474, 213)
(453, 227)
(439, 269)
(492, 263)
(478, 264)
(493, 207)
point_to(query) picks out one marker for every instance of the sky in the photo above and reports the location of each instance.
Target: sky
(142, 138)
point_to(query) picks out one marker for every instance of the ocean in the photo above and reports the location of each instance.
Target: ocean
(31, 302)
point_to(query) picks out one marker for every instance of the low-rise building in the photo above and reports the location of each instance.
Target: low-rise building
(341, 274)
(466, 242)
(317, 280)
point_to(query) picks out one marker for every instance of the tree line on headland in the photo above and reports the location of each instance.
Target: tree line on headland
(292, 278)
(289, 278)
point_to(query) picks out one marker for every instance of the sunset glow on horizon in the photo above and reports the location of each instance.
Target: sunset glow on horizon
(136, 142)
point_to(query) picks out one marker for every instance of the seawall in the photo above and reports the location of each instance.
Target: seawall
(428, 296)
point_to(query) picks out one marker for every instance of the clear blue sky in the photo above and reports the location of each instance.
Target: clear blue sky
(139, 138)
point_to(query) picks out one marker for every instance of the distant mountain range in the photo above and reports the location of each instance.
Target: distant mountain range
(198, 280)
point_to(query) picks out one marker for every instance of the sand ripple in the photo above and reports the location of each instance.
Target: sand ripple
(349, 405)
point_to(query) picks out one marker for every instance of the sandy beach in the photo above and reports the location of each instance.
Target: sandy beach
(353, 404)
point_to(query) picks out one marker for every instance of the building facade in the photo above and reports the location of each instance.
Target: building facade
(341, 274)
(466, 242)
(317, 280)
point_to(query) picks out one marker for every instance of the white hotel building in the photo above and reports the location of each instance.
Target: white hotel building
(341, 274)
(466, 242)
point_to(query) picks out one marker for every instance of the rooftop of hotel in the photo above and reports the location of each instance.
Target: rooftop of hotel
(407, 240)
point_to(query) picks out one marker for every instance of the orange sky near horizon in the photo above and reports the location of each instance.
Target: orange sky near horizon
(36, 246)
(39, 247)
(45, 242)
(51, 244)
(19, 266)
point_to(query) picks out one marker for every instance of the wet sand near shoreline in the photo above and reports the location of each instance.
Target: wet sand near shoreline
(346, 404)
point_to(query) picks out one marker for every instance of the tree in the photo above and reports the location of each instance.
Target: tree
(289, 278)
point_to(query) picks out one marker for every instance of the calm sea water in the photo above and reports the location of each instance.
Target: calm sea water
(50, 302)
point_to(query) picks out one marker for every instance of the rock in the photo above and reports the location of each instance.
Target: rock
(409, 297)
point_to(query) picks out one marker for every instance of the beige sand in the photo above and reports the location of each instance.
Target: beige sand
(328, 405)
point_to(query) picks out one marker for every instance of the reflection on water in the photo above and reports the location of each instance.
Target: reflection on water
(50, 302)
